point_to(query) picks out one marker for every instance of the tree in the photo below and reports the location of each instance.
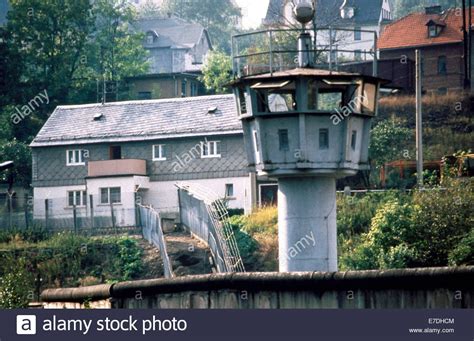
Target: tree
(20, 154)
(217, 72)
(115, 50)
(402, 8)
(217, 16)
(389, 141)
(49, 37)
(149, 10)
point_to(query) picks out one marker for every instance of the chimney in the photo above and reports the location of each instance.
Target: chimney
(433, 10)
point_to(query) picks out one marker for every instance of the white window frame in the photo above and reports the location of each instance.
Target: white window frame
(161, 152)
(75, 162)
(207, 146)
(82, 196)
(227, 186)
(109, 196)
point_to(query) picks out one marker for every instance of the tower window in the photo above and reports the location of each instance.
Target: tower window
(354, 140)
(323, 138)
(283, 138)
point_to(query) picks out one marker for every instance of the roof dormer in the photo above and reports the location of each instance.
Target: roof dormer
(435, 27)
(151, 37)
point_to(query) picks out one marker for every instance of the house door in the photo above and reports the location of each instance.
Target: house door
(115, 152)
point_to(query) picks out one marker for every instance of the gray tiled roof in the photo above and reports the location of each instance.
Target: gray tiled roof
(328, 11)
(140, 120)
(173, 32)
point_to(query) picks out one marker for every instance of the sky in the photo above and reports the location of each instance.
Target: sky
(253, 11)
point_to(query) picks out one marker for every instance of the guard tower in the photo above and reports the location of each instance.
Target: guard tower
(306, 127)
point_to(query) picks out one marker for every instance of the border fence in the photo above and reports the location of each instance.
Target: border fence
(56, 214)
(206, 216)
(150, 222)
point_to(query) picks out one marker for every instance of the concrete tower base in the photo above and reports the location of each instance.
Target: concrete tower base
(307, 224)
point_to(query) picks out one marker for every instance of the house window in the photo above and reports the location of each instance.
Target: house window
(358, 55)
(194, 89)
(323, 138)
(210, 149)
(75, 157)
(115, 153)
(110, 195)
(229, 190)
(432, 31)
(150, 38)
(442, 65)
(143, 95)
(283, 138)
(357, 33)
(354, 140)
(183, 87)
(159, 152)
(77, 198)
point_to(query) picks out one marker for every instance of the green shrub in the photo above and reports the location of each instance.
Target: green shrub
(264, 220)
(30, 235)
(443, 218)
(355, 213)
(433, 229)
(130, 259)
(16, 284)
(463, 254)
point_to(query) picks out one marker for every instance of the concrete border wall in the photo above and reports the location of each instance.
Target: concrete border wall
(432, 288)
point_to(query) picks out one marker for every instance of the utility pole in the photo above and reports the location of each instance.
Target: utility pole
(419, 121)
(469, 75)
(465, 44)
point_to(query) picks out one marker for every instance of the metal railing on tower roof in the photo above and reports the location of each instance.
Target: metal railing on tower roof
(274, 50)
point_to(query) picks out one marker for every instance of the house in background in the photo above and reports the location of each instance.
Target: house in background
(97, 156)
(177, 52)
(438, 35)
(355, 15)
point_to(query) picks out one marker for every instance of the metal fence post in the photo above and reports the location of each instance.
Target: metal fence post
(112, 216)
(10, 210)
(91, 204)
(74, 217)
(46, 213)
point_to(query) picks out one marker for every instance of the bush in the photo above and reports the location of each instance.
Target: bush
(463, 254)
(31, 235)
(264, 220)
(433, 229)
(443, 218)
(355, 213)
(16, 284)
(130, 258)
(256, 236)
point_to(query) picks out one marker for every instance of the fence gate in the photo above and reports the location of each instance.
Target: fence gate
(150, 222)
(205, 214)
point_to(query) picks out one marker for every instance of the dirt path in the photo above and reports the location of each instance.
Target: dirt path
(188, 256)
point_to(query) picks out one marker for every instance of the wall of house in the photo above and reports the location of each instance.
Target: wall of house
(433, 82)
(183, 163)
(165, 87)
(183, 160)
(163, 195)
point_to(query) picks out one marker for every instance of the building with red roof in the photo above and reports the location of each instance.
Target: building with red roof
(439, 36)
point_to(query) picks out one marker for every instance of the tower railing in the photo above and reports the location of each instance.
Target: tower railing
(274, 50)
